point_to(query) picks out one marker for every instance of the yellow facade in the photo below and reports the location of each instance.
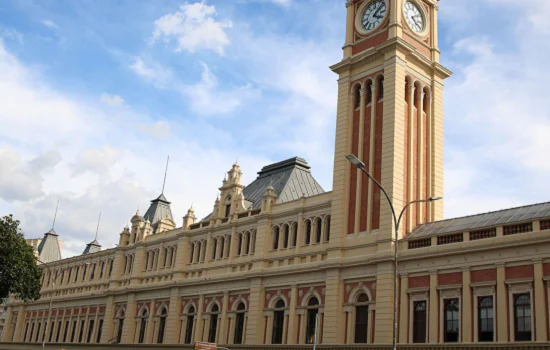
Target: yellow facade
(260, 276)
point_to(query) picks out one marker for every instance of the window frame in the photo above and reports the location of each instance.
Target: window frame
(522, 286)
(445, 293)
(480, 290)
(414, 298)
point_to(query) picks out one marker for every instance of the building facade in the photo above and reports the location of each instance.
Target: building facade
(279, 254)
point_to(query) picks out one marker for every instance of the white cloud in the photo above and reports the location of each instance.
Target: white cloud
(194, 28)
(10, 33)
(50, 24)
(154, 73)
(206, 97)
(112, 100)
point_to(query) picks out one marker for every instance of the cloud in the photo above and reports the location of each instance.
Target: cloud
(10, 33)
(159, 76)
(21, 179)
(50, 24)
(193, 28)
(98, 161)
(112, 100)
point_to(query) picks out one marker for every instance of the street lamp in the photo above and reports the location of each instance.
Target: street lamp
(396, 220)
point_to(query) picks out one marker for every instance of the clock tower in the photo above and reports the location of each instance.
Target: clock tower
(390, 115)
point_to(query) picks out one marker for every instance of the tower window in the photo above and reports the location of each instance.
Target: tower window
(381, 88)
(357, 97)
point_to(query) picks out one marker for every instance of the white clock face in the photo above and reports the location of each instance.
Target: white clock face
(414, 17)
(373, 15)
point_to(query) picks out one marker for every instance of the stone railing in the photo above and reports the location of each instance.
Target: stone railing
(479, 346)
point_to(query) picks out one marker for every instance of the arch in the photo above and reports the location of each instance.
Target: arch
(191, 312)
(213, 327)
(368, 91)
(311, 319)
(286, 235)
(275, 302)
(356, 92)
(239, 323)
(326, 221)
(318, 229)
(227, 203)
(418, 88)
(357, 291)
(294, 232)
(275, 237)
(239, 243)
(307, 238)
(190, 308)
(213, 304)
(144, 312)
(164, 256)
(239, 300)
(311, 294)
(121, 313)
(380, 86)
(162, 324)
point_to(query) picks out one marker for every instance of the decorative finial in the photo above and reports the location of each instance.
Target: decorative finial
(165, 172)
(55, 215)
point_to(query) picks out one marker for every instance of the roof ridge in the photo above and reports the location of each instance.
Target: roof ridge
(489, 212)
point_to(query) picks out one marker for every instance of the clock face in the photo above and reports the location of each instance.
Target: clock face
(414, 17)
(373, 15)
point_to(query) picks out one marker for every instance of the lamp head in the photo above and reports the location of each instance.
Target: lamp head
(355, 161)
(431, 199)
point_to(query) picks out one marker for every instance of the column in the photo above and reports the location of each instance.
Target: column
(467, 319)
(433, 308)
(349, 320)
(150, 332)
(420, 162)
(384, 304)
(130, 320)
(255, 326)
(269, 326)
(300, 232)
(182, 257)
(501, 310)
(233, 245)
(333, 327)
(540, 304)
(292, 315)
(172, 321)
(360, 156)
(410, 154)
(108, 331)
(430, 191)
(303, 324)
(200, 323)
(349, 29)
(371, 153)
(285, 327)
(403, 326)
(223, 322)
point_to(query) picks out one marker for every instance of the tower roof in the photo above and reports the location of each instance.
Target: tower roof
(92, 247)
(291, 179)
(158, 210)
(48, 249)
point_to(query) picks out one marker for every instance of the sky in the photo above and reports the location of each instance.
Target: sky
(94, 95)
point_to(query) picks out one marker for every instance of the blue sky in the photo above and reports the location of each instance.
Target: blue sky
(96, 94)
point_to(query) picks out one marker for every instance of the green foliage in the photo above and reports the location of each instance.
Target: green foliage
(19, 273)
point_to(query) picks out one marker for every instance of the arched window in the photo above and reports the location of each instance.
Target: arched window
(214, 247)
(312, 313)
(380, 88)
(199, 251)
(110, 268)
(165, 256)
(369, 92)
(522, 317)
(147, 258)
(101, 267)
(120, 326)
(357, 96)
(451, 322)
(327, 228)
(239, 324)
(156, 262)
(228, 249)
(419, 321)
(173, 252)
(247, 243)
(191, 251)
(286, 235)
(213, 323)
(275, 237)
(278, 322)
(253, 242)
(222, 247)
(318, 230)
(308, 232)
(239, 244)
(294, 233)
(485, 319)
(75, 276)
(189, 325)
(361, 319)
(142, 326)
(131, 264)
(162, 325)
(227, 206)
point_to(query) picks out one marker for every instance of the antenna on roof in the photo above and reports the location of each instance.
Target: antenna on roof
(55, 215)
(165, 172)
(97, 229)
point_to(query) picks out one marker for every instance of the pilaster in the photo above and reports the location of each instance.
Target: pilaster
(467, 319)
(107, 333)
(172, 322)
(501, 311)
(128, 331)
(383, 332)
(433, 309)
(541, 330)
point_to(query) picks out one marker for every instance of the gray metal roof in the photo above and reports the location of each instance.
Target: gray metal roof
(158, 210)
(290, 178)
(485, 220)
(48, 249)
(92, 247)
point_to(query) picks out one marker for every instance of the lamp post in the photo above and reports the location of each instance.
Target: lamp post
(397, 221)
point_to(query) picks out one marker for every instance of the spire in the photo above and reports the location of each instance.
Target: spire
(97, 229)
(165, 172)
(55, 215)
(94, 245)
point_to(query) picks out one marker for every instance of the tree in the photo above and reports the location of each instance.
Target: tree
(19, 272)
